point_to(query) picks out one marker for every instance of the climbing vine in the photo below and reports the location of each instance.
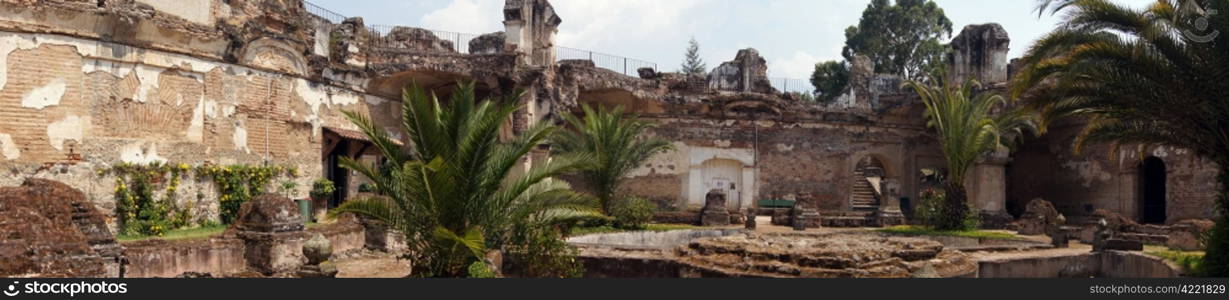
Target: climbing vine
(237, 184)
(142, 212)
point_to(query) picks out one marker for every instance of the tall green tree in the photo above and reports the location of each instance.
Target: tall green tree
(904, 38)
(830, 79)
(453, 192)
(616, 142)
(1141, 77)
(692, 63)
(967, 127)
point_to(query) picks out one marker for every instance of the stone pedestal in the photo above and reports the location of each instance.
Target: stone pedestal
(987, 186)
(715, 213)
(805, 214)
(889, 206)
(272, 234)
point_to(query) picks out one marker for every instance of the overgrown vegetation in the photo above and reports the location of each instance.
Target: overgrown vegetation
(1191, 261)
(237, 184)
(201, 232)
(453, 192)
(140, 210)
(830, 79)
(615, 143)
(969, 124)
(1141, 78)
(928, 231)
(930, 211)
(583, 230)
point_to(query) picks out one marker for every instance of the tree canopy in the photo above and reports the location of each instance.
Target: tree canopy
(902, 39)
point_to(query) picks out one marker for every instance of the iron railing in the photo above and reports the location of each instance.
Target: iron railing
(786, 85)
(623, 65)
(324, 13)
(460, 41)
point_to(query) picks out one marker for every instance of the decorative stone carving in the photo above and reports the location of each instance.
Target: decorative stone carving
(715, 212)
(272, 231)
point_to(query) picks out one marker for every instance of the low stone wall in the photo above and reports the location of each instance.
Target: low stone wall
(219, 256)
(1109, 264)
(345, 235)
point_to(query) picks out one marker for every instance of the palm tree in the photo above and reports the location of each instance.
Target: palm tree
(968, 127)
(452, 191)
(1142, 77)
(614, 140)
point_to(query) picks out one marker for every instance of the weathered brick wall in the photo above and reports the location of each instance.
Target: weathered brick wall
(1078, 184)
(64, 95)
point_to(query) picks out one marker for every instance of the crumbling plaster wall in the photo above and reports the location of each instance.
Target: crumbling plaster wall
(75, 106)
(1096, 178)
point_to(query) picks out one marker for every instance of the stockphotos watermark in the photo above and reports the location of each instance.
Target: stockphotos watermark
(1201, 23)
(72, 289)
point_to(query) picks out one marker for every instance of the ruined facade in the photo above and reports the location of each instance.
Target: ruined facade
(86, 85)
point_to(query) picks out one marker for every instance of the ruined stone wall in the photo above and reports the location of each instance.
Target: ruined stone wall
(78, 97)
(784, 159)
(1078, 184)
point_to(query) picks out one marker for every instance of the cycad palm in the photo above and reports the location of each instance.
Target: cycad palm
(1141, 77)
(614, 140)
(967, 128)
(453, 191)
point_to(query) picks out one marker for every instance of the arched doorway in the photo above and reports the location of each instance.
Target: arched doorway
(867, 175)
(1152, 191)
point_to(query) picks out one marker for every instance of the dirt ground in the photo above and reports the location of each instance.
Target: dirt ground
(373, 266)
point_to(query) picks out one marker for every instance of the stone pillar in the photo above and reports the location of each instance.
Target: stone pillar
(715, 212)
(979, 52)
(987, 187)
(530, 26)
(272, 234)
(889, 203)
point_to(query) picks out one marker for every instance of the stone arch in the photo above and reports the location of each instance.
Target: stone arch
(1152, 191)
(867, 176)
(442, 83)
(271, 54)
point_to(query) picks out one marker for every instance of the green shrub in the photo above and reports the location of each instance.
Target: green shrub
(929, 211)
(633, 212)
(322, 188)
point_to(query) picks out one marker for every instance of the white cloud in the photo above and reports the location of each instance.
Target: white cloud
(593, 23)
(800, 65)
(467, 16)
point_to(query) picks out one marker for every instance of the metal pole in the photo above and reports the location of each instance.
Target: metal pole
(624, 66)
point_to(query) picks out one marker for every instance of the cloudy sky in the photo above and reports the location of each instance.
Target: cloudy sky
(792, 35)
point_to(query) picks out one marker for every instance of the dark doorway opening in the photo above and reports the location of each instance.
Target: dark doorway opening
(338, 174)
(1152, 191)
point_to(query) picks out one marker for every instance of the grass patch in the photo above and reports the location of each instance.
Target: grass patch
(927, 231)
(610, 229)
(1189, 260)
(178, 234)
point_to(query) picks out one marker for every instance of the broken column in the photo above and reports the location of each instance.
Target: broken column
(530, 27)
(748, 72)
(889, 205)
(272, 234)
(979, 52)
(715, 212)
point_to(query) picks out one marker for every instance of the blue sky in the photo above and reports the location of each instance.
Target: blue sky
(792, 35)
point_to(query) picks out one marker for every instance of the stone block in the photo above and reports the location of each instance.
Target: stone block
(273, 236)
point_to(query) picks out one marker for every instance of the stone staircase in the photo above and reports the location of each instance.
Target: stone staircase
(864, 196)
